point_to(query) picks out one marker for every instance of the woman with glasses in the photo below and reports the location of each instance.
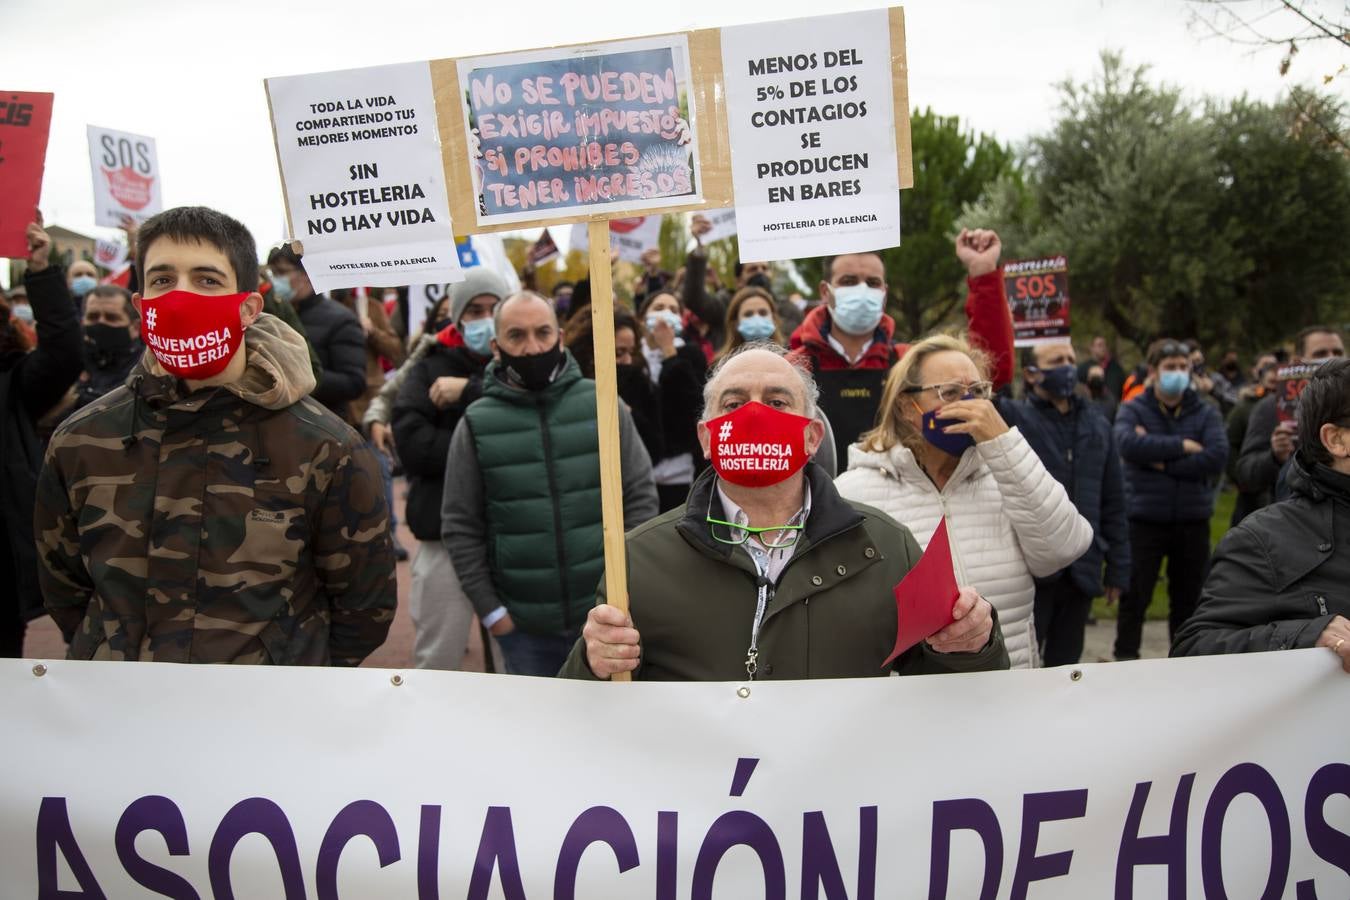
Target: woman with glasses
(940, 448)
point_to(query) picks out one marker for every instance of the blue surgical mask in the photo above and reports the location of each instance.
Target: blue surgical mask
(83, 284)
(281, 288)
(656, 317)
(857, 307)
(951, 444)
(478, 335)
(1060, 381)
(1173, 384)
(756, 328)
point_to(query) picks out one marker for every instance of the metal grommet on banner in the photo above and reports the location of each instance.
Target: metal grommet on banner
(396, 680)
(1076, 675)
(743, 693)
(39, 670)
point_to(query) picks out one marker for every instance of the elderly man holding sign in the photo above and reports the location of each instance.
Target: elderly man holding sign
(767, 572)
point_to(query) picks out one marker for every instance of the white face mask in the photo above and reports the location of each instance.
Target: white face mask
(857, 307)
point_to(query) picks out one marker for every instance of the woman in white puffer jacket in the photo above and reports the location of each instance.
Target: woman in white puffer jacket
(1007, 517)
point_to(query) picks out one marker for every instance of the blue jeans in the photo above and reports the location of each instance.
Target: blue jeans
(537, 654)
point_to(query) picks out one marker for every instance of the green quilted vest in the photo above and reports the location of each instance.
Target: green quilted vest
(540, 460)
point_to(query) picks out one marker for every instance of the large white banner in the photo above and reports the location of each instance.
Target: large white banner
(125, 169)
(1221, 777)
(360, 157)
(811, 118)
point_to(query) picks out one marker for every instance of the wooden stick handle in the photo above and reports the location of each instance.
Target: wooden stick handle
(607, 419)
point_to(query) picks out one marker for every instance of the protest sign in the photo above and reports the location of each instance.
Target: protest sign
(1292, 380)
(1205, 777)
(811, 110)
(1038, 291)
(629, 238)
(109, 254)
(25, 120)
(542, 250)
(722, 223)
(126, 177)
(607, 129)
(364, 181)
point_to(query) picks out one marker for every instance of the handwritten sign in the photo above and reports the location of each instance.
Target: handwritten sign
(1038, 292)
(25, 119)
(365, 186)
(605, 129)
(811, 117)
(125, 170)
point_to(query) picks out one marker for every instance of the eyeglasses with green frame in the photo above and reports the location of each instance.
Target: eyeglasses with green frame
(787, 534)
(952, 391)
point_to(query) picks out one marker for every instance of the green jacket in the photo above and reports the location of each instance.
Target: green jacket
(831, 615)
(237, 524)
(539, 456)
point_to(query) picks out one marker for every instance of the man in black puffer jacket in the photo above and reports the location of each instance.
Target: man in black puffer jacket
(31, 382)
(1174, 448)
(1278, 579)
(431, 401)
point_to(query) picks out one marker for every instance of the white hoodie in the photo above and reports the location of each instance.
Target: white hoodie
(1008, 520)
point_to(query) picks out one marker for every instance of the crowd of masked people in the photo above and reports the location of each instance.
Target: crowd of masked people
(201, 467)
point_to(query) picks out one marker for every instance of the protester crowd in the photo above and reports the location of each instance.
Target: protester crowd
(201, 468)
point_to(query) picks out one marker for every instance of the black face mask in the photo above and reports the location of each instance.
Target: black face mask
(759, 280)
(106, 347)
(534, 371)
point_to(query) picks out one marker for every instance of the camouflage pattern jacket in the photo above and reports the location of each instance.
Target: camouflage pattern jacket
(237, 524)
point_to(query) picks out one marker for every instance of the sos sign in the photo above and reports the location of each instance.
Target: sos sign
(120, 152)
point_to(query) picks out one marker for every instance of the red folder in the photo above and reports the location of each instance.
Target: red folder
(924, 599)
(24, 121)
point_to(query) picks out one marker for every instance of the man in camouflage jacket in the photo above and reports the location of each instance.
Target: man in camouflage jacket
(237, 522)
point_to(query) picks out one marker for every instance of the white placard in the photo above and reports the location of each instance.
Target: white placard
(109, 254)
(1047, 784)
(723, 222)
(360, 158)
(812, 128)
(125, 170)
(628, 238)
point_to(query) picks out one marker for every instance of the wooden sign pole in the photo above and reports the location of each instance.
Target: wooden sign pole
(607, 419)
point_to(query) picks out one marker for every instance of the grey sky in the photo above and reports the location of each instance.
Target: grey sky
(190, 74)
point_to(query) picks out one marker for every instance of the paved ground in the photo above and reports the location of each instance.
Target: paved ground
(44, 641)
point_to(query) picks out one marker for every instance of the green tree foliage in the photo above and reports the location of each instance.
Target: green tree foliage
(953, 167)
(1223, 221)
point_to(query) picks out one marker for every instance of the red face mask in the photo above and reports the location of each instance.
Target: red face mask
(192, 335)
(756, 445)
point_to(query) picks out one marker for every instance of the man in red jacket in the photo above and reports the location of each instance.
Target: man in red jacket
(850, 341)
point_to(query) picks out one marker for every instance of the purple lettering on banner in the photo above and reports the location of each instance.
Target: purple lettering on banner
(1159, 850)
(497, 848)
(162, 815)
(599, 824)
(429, 854)
(969, 814)
(745, 767)
(54, 833)
(360, 817)
(667, 853)
(256, 815)
(746, 829)
(1329, 844)
(1051, 806)
(1245, 778)
(821, 867)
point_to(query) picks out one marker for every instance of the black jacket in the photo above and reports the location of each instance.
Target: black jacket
(30, 384)
(1079, 451)
(1183, 489)
(336, 336)
(1256, 469)
(422, 431)
(1280, 575)
(680, 388)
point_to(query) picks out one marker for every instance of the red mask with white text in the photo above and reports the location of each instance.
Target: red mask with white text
(192, 335)
(756, 445)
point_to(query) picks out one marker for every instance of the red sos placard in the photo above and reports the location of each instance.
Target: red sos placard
(1292, 380)
(25, 120)
(1038, 292)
